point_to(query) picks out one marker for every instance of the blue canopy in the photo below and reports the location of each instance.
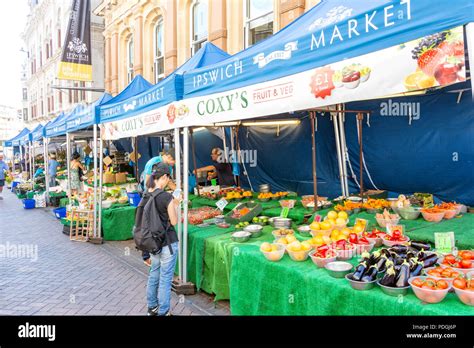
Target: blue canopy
(36, 134)
(332, 31)
(164, 92)
(86, 116)
(15, 140)
(56, 127)
(119, 105)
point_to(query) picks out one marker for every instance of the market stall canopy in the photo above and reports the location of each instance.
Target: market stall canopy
(37, 133)
(86, 116)
(146, 105)
(15, 140)
(55, 128)
(339, 51)
(119, 105)
(24, 139)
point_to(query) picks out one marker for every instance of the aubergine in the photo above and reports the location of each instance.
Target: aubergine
(410, 255)
(420, 245)
(359, 271)
(381, 264)
(366, 257)
(375, 257)
(385, 252)
(399, 248)
(403, 276)
(370, 275)
(421, 254)
(416, 269)
(413, 250)
(429, 260)
(389, 277)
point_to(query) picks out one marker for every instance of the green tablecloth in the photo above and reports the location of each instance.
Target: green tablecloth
(202, 201)
(212, 250)
(261, 287)
(117, 222)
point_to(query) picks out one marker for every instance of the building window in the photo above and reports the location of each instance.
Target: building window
(258, 20)
(76, 94)
(59, 38)
(158, 50)
(60, 98)
(70, 96)
(198, 24)
(83, 92)
(130, 59)
(25, 114)
(25, 94)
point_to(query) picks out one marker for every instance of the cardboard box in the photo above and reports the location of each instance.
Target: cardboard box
(121, 178)
(109, 178)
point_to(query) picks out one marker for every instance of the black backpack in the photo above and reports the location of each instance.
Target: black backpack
(149, 233)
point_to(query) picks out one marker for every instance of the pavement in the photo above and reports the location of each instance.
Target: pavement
(42, 272)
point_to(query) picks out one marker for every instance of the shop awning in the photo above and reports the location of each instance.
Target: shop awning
(144, 113)
(118, 107)
(15, 140)
(55, 127)
(37, 133)
(337, 52)
(86, 116)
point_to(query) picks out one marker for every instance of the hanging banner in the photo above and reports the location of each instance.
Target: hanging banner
(431, 61)
(76, 62)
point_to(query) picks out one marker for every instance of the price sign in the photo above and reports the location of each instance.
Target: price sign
(444, 242)
(284, 212)
(221, 204)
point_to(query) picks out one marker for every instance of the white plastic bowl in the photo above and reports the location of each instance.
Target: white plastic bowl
(347, 254)
(275, 255)
(360, 248)
(460, 270)
(321, 262)
(428, 295)
(298, 256)
(390, 243)
(465, 296)
(383, 222)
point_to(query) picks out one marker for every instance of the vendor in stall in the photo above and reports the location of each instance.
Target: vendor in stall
(52, 169)
(166, 157)
(220, 169)
(77, 170)
(3, 170)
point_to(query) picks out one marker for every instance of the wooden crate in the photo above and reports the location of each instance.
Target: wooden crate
(82, 225)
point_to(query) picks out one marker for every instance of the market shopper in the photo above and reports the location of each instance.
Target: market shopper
(166, 157)
(76, 169)
(220, 169)
(163, 262)
(52, 169)
(3, 169)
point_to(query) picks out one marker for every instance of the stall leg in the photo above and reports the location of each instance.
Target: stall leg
(360, 118)
(185, 288)
(194, 159)
(95, 239)
(101, 170)
(68, 161)
(338, 149)
(345, 157)
(313, 139)
(46, 169)
(177, 148)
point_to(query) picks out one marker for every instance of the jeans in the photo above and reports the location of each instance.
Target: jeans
(160, 278)
(52, 181)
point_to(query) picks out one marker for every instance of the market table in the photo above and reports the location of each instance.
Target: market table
(212, 263)
(206, 202)
(117, 222)
(261, 287)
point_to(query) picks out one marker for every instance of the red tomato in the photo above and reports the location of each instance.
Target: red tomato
(449, 259)
(457, 265)
(418, 282)
(466, 264)
(446, 273)
(442, 284)
(459, 283)
(427, 287)
(466, 255)
(454, 274)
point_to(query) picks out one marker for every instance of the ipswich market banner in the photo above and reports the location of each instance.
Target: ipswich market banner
(339, 51)
(76, 62)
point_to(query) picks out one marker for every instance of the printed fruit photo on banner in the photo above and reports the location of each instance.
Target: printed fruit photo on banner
(171, 113)
(439, 58)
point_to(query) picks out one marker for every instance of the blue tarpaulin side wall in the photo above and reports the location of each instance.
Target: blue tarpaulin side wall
(148, 147)
(434, 154)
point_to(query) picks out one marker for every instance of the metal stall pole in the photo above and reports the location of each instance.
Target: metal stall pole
(237, 144)
(68, 162)
(232, 151)
(101, 169)
(224, 143)
(135, 149)
(95, 180)
(31, 162)
(338, 149)
(313, 139)
(345, 155)
(21, 159)
(177, 156)
(46, 169)
(185, 202)
(194, 159)
(360, 118)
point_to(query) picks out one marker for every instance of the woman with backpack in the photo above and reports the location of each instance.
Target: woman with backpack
(163, 261)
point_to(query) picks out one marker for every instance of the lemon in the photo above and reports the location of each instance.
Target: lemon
(295, 246)
(332, 215)
(326, 240)
(342, 215)
(266, 247)
(318, 240)
(358, 228)
(340, 222)
(305, 245)
(346, 231)
(315, 226)
(290, 238)
(282, 240)
(274, 247)
(325, 225)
